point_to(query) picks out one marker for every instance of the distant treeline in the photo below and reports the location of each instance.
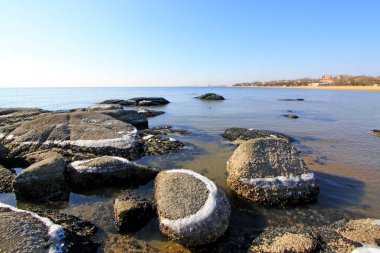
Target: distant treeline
(340, 80)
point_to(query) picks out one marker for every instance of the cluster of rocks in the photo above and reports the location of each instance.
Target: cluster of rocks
(139, 101)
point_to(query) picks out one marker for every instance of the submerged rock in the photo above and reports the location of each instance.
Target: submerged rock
(132, 211)
(164, 130)
(211, 96)
(376, 132)
(157, 145)
(127, 244)
(6, 178)
(79, 132)
(108, 171)
(191, 208)
(292, 99)
(243, 134)
(22, 231)
(271, 171)
(42, 181)
(291, 116)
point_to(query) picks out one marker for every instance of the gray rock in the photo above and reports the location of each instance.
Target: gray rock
(6, 178)
(22, 231)
(376, 132)
(242, 134)
(271, 171)
(164, 130)
(10, 116)
(139, 101)
(157, 145)
(132, 117)
(101, 107)
(211, 96)
(79, 132)
(291, 116)
(191, 208)
(132, 211)
(42, 181)
(108, 171)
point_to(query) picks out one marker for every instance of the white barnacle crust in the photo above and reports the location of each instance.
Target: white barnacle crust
(189, 222)
(280, 180)
(55, 232)
(77, 165)
(376, 222)
(367, 249)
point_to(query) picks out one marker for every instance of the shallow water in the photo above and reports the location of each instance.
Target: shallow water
(332, 133)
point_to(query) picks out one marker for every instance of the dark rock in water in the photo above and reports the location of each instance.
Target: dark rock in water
(132, 211)
(80, 132)
(139, 101)
(301, 240)
(164, 130)
(156, 145)
(42, 181)
(376, 132)
(108, 171)
(3, 151)
(211, 96)
(271, 172)
(149, 113)
(129, 116)
(291, 116)
(22, 231)
(191, 208)
(243, 134)
(126, 244)
(101, 107)
(118, 101)
(363, 231)
(6, 178)
(292, 99)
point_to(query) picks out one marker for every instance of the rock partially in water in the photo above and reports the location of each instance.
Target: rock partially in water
(22, 231)
(127, 244)
(292, 99)
(302, 240)
(139, 101)
(101, 107)
(108, 171)
(132, 211)
(42, 181)
(78, 132)
(244, 134)
(364, 231)
(375, 132)
(149, 113)
(291, 116)
(271, 171)
(118, 101)
(191, 208)
(132, 117)
(6, 178)
(157, 145)
(211, 96)
(164, 130)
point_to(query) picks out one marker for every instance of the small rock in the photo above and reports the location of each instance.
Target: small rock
(156, 145)
(242, 134)
(291, 116)
(191, 208)
(376, 132)
(292, 99)
(108, 171)
(211, 96)
(42, 181)
(364, 231)
(132, 211)
(149, 101)
(6, 178)
(271, 171)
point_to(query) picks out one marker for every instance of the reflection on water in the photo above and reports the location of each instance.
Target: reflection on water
(332, 133)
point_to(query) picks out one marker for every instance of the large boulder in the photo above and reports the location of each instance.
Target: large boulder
(6, 178)
(81, 132)
(211, 96)
(364, 231)
(271, 171)
(108, 171)
(191, 208)
(44, 231)
(238, 134)
(132, 211)
(42, 181)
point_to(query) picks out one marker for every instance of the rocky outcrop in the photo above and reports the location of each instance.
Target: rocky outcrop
(291, 116)
(132, 211)
(340, 237)
(42, 181)
(191, 208)
(243, 134)
(6, 178)
(139, 101)
(132, 117)
(10, 116)
(108, 171)
(270, 171)
(79, 132)
(102, 107)
(127, 244)
(376, 132)
(164, 130)
(211, 96)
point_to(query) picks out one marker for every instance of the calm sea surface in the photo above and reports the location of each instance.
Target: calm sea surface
(332, 130)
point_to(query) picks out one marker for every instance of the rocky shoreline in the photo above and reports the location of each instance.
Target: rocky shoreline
(89, 148)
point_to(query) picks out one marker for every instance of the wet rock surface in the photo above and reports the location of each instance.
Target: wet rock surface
(157, 145)
(191, 208)
(42, 181)
(164, 130)
(375, 132)
(244, 134)
(132, 117)
(211, 96)
(6, 178)
(132, 211)
(126, 244)
(108, 171)
(270, 171)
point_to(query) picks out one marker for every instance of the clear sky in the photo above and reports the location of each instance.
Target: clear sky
(179, 42)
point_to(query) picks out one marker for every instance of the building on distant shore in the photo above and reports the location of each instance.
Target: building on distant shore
(326, 80)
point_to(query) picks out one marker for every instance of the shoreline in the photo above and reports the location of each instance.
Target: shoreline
(350, 88)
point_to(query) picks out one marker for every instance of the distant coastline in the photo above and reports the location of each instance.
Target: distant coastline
(352, 88)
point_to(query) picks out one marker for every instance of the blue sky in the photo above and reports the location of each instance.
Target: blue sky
(167, 43)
